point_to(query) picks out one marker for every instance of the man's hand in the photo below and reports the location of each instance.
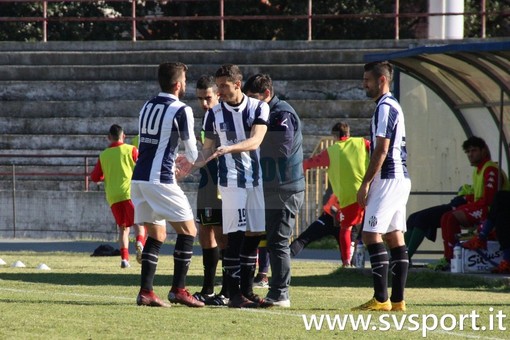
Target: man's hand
(362, 194)
(220, 151)
(182, 167)
(204, 157)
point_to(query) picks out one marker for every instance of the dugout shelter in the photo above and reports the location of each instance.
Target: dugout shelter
(448, 93)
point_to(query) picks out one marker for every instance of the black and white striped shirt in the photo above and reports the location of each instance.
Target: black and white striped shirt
(233, 125)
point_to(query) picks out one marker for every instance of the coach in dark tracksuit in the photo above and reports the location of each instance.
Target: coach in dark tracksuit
(281, 157)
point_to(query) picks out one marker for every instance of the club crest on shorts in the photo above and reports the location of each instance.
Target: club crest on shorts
(372, 221)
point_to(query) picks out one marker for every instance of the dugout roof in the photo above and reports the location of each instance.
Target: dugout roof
(465, 76)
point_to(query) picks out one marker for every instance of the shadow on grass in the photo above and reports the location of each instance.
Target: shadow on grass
(433, 279)
(64, 302)
(338, 278)
(71, 279)
(478, 303)
(416, 279)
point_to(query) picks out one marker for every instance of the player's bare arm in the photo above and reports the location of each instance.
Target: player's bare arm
(376, 162)
(206, 154)
(258, 132)
(185, 168)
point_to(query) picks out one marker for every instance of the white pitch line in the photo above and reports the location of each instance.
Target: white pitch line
(272, 311)
(23, 291)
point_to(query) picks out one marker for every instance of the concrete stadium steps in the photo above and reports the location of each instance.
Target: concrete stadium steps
(44, 143)
(48, 157)
(69, 184)
(47, 184)
(22, 112)
(46, 172)
(333, 108)
(320, 127)
(68, 90)
(61, 97)
(69, 125)
(214, 45)
(86, 109)
(99, 126)
(87, 133)
(148, 72)
(92, 145)
(192, 57)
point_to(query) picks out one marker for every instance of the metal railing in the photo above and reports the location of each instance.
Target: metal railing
(21, 167)
(31, 171)
(315, 187)
(17, 170)
(308, 18)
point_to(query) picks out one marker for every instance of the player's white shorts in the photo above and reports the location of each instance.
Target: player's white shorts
(156, 202)
(243, 209)
(386, 205)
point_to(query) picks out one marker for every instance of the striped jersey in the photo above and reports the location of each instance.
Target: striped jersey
(164, 120)
(232, 124)
(388, 122)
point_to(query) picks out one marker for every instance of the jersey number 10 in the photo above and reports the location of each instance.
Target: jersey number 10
(152, 118)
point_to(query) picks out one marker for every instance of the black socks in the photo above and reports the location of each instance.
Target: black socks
(183, 252)
(399, 266)
(150, 256)
(249, 263)
(379, 262)
(211, 257)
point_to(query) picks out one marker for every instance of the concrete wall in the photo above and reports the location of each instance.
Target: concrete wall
(59, 215)
(61, 97)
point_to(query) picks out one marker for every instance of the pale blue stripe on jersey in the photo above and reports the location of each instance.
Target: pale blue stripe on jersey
(395, 162)
(162, 122)
(166, 172)
(233, 127)
(145, 150)
(233, 133)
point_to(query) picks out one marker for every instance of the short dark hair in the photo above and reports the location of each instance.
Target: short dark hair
(475, 142)
(341, 129)
(231, 71)
(115, 132)
(258, 83)
(205, 82)
(169, 74)
(380, 68)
